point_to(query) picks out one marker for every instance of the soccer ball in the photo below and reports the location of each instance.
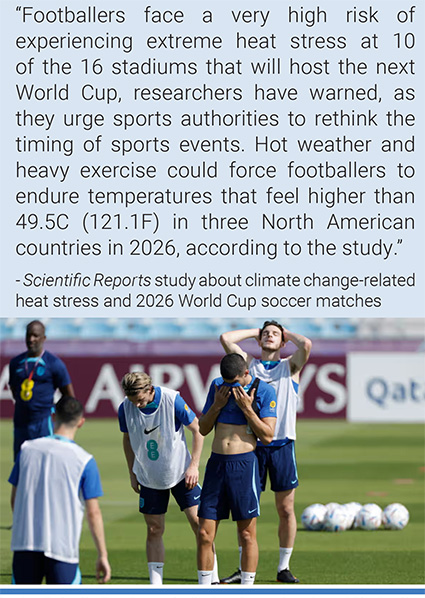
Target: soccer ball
(332, 505)
(395, 516)
(353, 508)
(337, 519)
(369, 517)
(313, 516)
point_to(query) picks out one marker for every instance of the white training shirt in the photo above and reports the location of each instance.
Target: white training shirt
(161, 453)
(48, 512)
(280, 379)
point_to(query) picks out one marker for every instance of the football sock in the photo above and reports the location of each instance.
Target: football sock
(215, 577)
(284, 557)
(204, 578)
(156, 571)
(240, 558)
(247, 578)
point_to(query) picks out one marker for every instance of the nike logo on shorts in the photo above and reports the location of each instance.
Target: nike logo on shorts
(149, 431)
(196, 497)
(294, 481)
(252, 511)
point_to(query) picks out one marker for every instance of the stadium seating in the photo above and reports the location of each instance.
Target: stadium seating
(144, 329)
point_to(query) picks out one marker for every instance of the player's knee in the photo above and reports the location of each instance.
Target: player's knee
(205, 537)
(155, 530)
(247, 537)
(286, 510)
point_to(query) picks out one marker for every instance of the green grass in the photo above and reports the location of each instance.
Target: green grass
(337, 461)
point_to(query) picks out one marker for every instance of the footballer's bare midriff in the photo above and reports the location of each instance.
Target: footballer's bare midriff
(231, 439)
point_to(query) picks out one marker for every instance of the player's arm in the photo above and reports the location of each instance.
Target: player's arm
(264, 427)
(192, 472)
(95, 521)
(301, 355)
(67, 390)
(129, 456)
(13, 497)
(208, 419)
(230, 341)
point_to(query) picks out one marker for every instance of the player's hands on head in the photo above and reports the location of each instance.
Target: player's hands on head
(103, 570)
(221, 396)
(191, 476)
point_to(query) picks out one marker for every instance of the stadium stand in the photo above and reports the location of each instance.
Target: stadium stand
(203, 328)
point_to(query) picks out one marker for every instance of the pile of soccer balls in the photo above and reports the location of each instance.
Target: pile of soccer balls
(334, 517)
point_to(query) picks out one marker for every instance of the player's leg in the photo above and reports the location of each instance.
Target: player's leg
(244, 489)
(205, 555)
(27, 567)
(284, 480)
(213, 508)
(262, 471)
(154, 504)
(192, 517)
(188, 501)
(58, 572)
(247, 529)
(155, 550)
(287, 521)
(155, 525)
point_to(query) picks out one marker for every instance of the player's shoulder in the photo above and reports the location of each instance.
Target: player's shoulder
(265, 389)
(217, 382)
(81, 452)
(52, 359)
(17, 359)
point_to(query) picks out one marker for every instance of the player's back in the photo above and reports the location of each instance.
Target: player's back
(48, 509)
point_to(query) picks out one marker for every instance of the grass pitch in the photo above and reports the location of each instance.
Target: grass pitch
(337, 461)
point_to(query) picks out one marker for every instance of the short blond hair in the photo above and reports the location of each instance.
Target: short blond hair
(136, 381)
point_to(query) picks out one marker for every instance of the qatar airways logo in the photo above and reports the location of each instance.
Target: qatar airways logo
(383, 391)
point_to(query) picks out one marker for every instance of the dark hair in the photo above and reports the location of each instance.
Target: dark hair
(273, 323)
(232, 365)
(68, 410)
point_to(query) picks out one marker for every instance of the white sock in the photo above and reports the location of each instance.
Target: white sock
(247, 578)
(215, 578)
(156, 571)
(284, 557)
(240, 558)
(204, 578)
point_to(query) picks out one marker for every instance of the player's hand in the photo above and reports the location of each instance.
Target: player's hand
(191, 476)
(134, 483)
(103, 570)
(221, 396)
(242, 398)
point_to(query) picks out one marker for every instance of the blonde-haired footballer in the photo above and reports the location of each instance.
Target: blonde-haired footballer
(152, 419)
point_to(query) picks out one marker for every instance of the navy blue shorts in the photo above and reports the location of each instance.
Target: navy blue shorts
(231, 484)
(37, 429)
(281, 465)
(155, 502)
(31, 567)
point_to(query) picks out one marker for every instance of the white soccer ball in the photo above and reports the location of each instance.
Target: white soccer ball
(353, 508)
(332, 505)
(337, 519)
(313, 516)
(369, 517)
(395, 516)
